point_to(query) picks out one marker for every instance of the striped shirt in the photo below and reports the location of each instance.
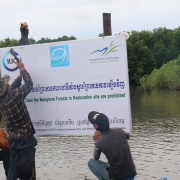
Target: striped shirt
(18, 121)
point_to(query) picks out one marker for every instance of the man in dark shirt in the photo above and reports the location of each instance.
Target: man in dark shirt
(114, 145)
(24, 34)
(18, 122)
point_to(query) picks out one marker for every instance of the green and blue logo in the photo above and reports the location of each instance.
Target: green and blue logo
(105, 51)
(59, 56)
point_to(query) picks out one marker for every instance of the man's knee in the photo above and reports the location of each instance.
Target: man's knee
(92, 162)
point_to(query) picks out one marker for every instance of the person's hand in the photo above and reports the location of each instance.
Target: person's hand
(20, 65)
(97, 135)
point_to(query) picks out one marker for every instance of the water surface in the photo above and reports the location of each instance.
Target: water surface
(155, 142)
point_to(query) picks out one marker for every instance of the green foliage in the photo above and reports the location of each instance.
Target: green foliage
(9, 43)
(63, 38)
(160, 53)
(162, 46)
(101, 35)
(145, 82)
(140, 60)
(13, 42)
(168, 76)
(32, 41)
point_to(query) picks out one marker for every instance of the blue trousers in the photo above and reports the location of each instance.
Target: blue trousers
(99, 169)
(20, 149)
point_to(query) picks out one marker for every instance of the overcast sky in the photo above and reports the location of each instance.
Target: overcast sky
(83, 18)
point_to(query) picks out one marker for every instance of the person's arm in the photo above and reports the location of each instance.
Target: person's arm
(24, 90)
(95, 155)
(17, 82)
(96, 152)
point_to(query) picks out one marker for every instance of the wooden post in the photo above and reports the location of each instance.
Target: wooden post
(107, 24)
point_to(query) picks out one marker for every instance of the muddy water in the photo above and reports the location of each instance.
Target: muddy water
(155, 142)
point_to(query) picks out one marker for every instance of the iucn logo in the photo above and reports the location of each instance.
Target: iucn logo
(9, 62)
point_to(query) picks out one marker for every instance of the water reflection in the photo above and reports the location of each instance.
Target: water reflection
(155, 139)
(155, 142)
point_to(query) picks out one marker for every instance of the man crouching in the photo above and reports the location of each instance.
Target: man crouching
(113, 143)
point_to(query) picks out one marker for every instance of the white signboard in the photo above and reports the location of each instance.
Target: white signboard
(71, 79)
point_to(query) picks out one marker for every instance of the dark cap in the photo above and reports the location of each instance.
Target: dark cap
(100, 119)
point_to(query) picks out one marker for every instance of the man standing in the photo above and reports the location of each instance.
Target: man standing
(24, 33)
(113, 143)
(18, 122)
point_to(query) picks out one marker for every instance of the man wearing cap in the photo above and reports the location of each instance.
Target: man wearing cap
(114, 145)
(24, 33)
(21, 132)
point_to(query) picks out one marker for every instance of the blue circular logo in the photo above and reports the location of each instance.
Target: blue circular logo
(6, 61)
